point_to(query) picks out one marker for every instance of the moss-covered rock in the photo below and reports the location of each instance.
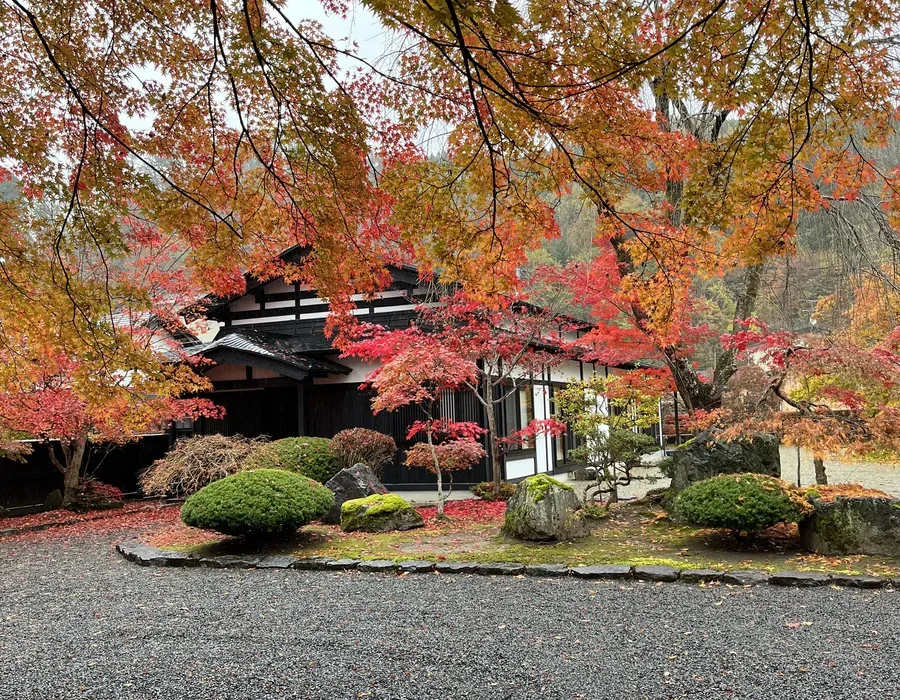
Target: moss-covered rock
(379, 513)
(868, 525)
(359, 481)
(704, 457)
(543, 508)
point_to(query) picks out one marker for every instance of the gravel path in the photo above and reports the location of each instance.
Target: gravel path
(873, 475)
(76, 621)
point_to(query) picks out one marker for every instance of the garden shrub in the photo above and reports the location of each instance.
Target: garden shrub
(95, 495)
(310, 456)
(257, 503)
(485, 491)
(194, 462)
(741, 503)
(595, 511)
(666, 467)
(453, 455)
(363, 446)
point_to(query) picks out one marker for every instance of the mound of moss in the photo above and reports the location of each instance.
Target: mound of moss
(257, 503)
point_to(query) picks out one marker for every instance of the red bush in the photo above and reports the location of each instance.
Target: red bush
(363, 446)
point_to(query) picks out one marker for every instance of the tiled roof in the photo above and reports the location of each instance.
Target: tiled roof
(284, 348)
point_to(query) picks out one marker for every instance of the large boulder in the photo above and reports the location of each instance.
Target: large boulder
(353, 482)
(379, 513)
(867, 525)
(543, 508)
(705, 457)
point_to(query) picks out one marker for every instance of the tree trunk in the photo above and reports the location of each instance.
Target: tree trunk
(496, 457)
(437, 470)
(819, 465)
(697, 395)
(70, 466)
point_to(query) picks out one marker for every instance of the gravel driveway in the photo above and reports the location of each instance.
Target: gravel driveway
(76, 621)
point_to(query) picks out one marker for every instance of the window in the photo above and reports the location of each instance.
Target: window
(518, 412)
(568, 441)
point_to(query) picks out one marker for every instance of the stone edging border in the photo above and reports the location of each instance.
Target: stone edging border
(146, 555)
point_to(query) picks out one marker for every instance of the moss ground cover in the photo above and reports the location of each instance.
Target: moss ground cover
(632, 533)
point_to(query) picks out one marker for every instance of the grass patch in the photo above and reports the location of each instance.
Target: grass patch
(633, 533)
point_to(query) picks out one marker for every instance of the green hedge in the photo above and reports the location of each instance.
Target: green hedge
(741, 503)
(257, 503)
(310, 456)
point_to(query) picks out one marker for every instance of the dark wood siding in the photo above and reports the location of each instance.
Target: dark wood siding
(332, 408)
(24, 486)
(271, 411)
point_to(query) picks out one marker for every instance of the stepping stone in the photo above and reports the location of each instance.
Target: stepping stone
(276, 561)
(547, 570)
(858, 581)
(230, 561)
(136, 551)
(377, 565)
(501, 569)
(161, 558)
(801, 579)
(342, 564)
(456, 567)
(701, 575)
(745, 577)
(312, 563)
(655, 573)
(607, 571)
(416, 566)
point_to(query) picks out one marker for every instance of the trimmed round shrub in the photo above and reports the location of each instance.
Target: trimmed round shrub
(310, 456)
(257, 503)
(194, 462)
(741, 503)
(485, 491)
(363, 446)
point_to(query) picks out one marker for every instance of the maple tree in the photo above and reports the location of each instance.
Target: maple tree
(698, 131)
(504, 345)
(833, 395)
(418, 370)
(98, 357)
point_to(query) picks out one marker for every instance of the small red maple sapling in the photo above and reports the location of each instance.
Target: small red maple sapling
(420, 373)
(494, 349)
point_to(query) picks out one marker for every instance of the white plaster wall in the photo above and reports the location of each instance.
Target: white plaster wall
(224, 373)
(245, 303)
(543, 455)
(269, 319)
(360, 370)
(517, 468)
(568, 371)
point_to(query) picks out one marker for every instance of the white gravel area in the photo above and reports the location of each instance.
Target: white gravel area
(77, 621)
(873, 475)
